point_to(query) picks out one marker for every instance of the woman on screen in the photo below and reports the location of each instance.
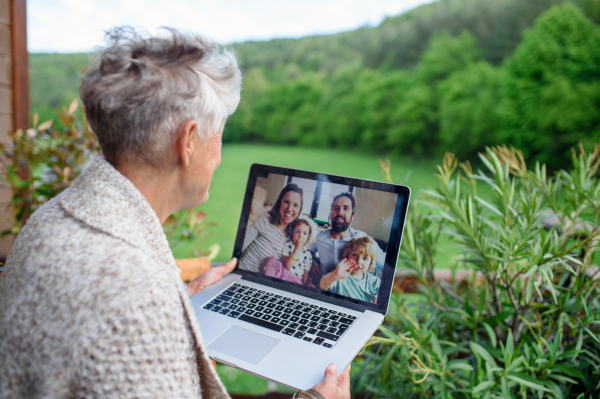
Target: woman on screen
(268, 235)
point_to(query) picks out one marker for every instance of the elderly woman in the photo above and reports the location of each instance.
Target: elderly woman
(91, 301)
(268, 234)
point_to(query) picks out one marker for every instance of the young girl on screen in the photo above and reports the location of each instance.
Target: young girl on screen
(296, 257)
(352, 277)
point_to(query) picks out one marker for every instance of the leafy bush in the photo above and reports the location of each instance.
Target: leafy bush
(525, 320)
(40, 162)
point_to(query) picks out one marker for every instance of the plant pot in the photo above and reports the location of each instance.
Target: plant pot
(193, 267)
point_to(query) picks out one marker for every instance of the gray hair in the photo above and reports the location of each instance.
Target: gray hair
(140, 90)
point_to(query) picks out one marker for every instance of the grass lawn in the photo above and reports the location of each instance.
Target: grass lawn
(229, 182)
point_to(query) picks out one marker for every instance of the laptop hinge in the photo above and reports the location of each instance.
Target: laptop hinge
(304, 292)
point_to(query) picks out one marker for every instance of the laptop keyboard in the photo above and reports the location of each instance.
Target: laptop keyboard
(310, 323)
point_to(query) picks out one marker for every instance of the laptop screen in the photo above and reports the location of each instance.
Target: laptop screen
(328, 237)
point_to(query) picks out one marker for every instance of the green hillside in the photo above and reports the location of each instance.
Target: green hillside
(54, 80)
(452, 75)
(399, 41)
(396, 43)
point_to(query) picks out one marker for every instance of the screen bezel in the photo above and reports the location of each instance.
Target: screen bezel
(387, 277)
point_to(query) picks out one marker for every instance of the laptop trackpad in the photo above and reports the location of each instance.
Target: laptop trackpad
(243, 344)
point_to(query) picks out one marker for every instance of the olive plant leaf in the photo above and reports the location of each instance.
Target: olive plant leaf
(508, 350)
(505, 390)
(485, 355)
(527, 381)
(484, 385)
(459, 365)
(567, 370)
(435, 345)
(491, 333)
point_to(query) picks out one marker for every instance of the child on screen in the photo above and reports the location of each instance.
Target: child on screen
(296, 256)
(352, 277)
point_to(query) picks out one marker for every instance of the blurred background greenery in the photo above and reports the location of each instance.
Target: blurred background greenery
(452, 75)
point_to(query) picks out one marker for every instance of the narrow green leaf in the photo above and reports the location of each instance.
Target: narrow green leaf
(435, 345)
(508, 352)
(482, 386)
(555, 389)
(567, 370)
(492, 321)
(491, 333)
(385, 366)
(504, 387)
(485, 355)
(527, 381)
(594, 336)
(470, 212)
(516, 363)
(573, 259)
(459, 365)
(556, 343)
(488, 205)
(563, 379)
(486, 162)
(578, 346)
(529, 290)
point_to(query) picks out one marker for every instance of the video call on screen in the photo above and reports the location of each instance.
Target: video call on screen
(321, 235)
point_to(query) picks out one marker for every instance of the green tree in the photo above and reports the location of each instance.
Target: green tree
(248, 122)
(293, 109)
(340, 109)
(415, 125)
(551, 95)
(445, 55)
(468, 117)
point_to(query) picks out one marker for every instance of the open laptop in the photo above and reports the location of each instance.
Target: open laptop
(286, 320)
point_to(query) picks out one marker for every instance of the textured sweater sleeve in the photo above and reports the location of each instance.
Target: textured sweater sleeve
(139, 345)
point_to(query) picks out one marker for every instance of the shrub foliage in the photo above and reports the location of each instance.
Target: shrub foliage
(525, 321)
(42, 161)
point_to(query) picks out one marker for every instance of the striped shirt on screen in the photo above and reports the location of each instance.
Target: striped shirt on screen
(262, 241)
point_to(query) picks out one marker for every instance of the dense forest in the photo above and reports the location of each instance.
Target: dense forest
(453, 75)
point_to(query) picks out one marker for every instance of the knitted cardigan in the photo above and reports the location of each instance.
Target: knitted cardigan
(92, 304)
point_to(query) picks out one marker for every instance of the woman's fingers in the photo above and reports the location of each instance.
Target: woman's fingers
(226, 268)
(210, 276)
(333, 387)
(331, 374)
(344, 380)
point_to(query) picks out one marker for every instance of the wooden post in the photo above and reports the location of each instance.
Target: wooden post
(20, 65)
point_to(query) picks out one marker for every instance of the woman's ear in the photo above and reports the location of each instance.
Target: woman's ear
(187, 141)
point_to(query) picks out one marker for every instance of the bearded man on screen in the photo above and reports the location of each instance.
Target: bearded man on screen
(330, 242)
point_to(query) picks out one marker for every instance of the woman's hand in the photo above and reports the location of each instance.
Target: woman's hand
(258, 207)
(210, 276)
(332, 387)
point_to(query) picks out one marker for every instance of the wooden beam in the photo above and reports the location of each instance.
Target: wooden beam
(20, 64)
